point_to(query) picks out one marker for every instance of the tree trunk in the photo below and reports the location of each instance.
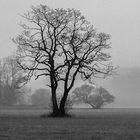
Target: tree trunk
(62, 108)
(54, 103)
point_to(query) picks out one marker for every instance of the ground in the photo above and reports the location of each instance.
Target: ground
(85, 124)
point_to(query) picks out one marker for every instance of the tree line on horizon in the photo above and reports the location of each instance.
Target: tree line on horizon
(12, 93)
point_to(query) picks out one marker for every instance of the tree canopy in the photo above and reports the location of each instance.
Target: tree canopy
(96, 97)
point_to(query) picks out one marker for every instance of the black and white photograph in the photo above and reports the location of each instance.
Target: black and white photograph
(69, 69)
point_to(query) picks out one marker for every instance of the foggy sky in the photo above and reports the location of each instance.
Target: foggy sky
(119, 18)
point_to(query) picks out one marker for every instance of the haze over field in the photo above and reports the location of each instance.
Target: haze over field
(118, 18)
(125, 86)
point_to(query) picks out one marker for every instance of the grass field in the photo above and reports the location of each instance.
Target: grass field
(85, 124)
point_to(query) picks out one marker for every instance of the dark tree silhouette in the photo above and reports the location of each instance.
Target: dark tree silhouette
(61, 44)
(95, 97)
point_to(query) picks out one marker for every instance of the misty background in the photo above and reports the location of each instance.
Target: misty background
(118, 18)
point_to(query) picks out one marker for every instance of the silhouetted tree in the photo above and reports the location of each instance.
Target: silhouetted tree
(60, 44)
(95, 97)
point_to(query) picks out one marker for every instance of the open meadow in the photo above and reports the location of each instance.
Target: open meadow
(85, 124)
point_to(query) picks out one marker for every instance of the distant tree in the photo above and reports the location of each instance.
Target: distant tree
(95, 97)
(81, 94)
(11, 78)
(61, 44)
(41, 97)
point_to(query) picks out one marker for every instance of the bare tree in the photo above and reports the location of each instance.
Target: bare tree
(61, 44)
(95, 97)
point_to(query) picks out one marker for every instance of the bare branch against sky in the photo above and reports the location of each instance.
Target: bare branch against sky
(119, 18)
